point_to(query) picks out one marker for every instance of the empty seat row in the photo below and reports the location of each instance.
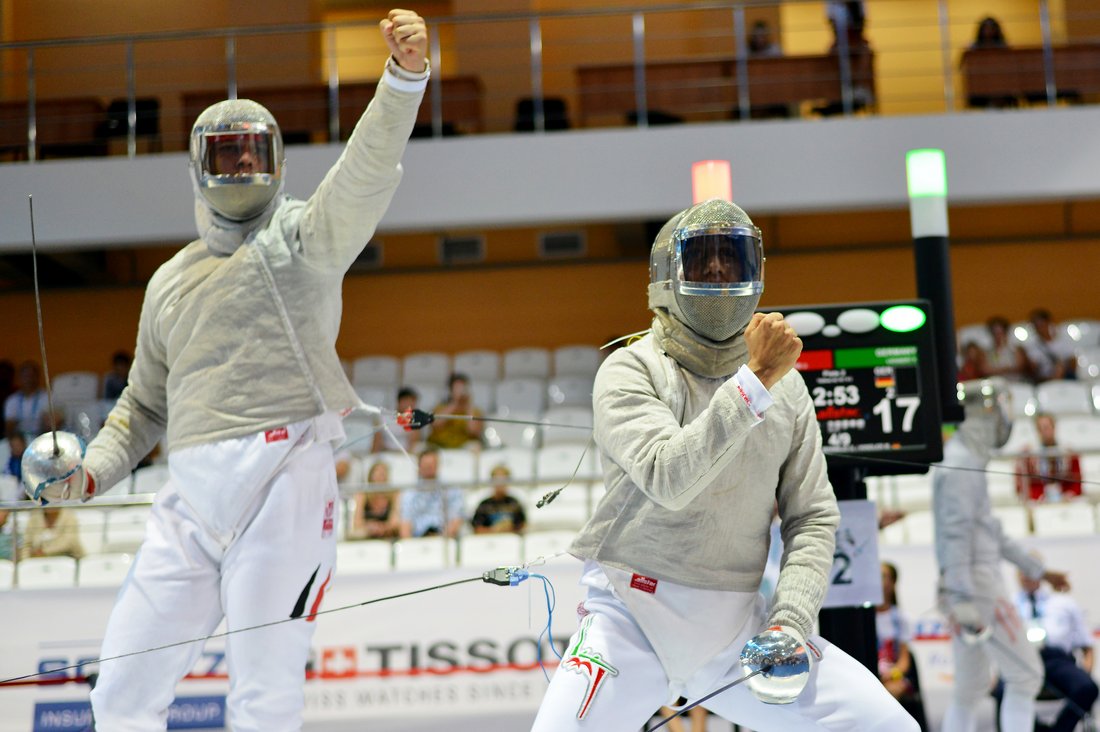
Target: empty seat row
(489, 366)
(102, 570)
(507, 395)
(1085, 332)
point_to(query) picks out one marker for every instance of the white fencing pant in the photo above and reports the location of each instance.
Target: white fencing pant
(183, 583)
(1017, 661)
(841, 694)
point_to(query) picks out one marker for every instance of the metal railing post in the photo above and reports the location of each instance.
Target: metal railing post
(131, 102)
(231, 67)
(945, 52)
(333, 88)
(32, 118)
(435, 85)
(744, 105)
(1048, 53)
(638, 29)
(536, 75)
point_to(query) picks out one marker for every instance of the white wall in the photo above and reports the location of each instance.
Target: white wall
(596, 175)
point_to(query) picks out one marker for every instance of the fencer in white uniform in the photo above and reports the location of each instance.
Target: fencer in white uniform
(236, 361)
(970, 545)
(703, 428)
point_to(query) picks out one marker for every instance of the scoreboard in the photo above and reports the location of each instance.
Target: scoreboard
(871, 371)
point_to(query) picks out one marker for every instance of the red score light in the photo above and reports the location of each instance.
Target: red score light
(814, 360)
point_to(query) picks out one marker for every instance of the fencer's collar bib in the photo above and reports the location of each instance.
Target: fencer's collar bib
(224, 236)
(699, 355)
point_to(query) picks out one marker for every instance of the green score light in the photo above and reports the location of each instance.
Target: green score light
(926, 173)
(902, 318)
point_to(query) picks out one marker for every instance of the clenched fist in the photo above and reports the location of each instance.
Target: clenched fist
(407, 37)
(774, 347)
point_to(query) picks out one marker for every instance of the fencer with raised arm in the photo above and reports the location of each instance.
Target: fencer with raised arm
(236, 363)
(703, 427)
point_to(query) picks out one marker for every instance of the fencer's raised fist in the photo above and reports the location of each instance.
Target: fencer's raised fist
(407, 36)
(774, 347)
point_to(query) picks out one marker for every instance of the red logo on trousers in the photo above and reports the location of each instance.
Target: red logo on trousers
(276, 435)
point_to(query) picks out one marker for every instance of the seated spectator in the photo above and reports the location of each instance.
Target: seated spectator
(6, 542)
(989, 34)
(852, 16)
(896, 668)
(7, 385)
(1005, 358)
(375, 516)
(25, 410)
(974, 364)
(117, 378)
(1065, 633)
(431, 509)
(1049, 356)
(451, 433)
(499, 512)
(396, 438)
(761, 42)
(1053, 474)
(52, 532)
(17, 444)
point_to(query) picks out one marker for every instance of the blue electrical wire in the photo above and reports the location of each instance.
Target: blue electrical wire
(551, 602)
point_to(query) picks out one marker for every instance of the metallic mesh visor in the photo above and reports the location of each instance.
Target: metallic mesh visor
(226, 155)
(719, 260)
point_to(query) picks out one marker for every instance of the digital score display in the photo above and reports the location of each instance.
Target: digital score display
(871, 372)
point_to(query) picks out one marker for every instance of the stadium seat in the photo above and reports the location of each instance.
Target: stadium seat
(381, 371)
(559, 462)
(569, 425)
(458, 467)
(103, 570)
(1014, 520)
(519, 460)
(520, 395)
(150, 479)
(1088, 363)
(46, 573)
(913, 492)
(125, 529)
(1023, 438)
(92, 525)
(514, 433)
(1090, 474)
(433, 552)
(1077, 432)
(377, 396)
(569, 391)
(75, 386)
(527, 363)
(1085, 332)
(429, 395)
(581, 361)
(569, 510)
(1023, 399)
(403, 469)
(546, 544)
(486, 551)
(975, 333)
(10, 488)
(1001, 482)
(1067, 518)
(7, 574)
(371, 556)
(483, 394)
(478, 365)
(426, 368)
(918, 527)
(1064, 397)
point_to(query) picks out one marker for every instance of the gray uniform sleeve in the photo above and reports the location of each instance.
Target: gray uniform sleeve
(809, 518)
(138, 419)
(670, 463)
(342, 214)
(955, 497)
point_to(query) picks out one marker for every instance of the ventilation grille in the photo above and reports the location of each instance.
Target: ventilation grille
(558, 244)
(461, 249)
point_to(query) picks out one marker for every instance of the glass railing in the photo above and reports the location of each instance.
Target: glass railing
(570, 69)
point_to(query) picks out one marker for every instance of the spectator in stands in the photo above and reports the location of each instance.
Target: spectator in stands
(375, 515)
(396, 437)
(1065, 633)
(1052, 474)
(430, 508)
(451, 433)
(973, 365)
(7, 387)
(52, 532)
(761, 42)
(1050, 356)
(115, 380)
(6, 540)
(1005, 358)
(17, 443)
(852, 16)
(25, 410)
(989, 34)
(896, 667)
(499, 512)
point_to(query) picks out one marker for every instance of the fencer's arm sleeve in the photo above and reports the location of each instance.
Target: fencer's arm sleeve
(955, 496)
(1015, 552)
(670, 463)
(138, 419)
(809, 518)
(342, 214)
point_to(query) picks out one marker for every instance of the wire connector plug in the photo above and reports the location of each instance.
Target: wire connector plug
(505, 576)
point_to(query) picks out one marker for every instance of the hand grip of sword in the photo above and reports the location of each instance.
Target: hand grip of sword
(779, 655)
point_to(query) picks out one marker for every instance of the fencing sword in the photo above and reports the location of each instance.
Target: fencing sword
(727, 687)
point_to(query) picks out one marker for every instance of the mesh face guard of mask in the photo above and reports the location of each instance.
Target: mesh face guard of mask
(707, 269)
(237, 158)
